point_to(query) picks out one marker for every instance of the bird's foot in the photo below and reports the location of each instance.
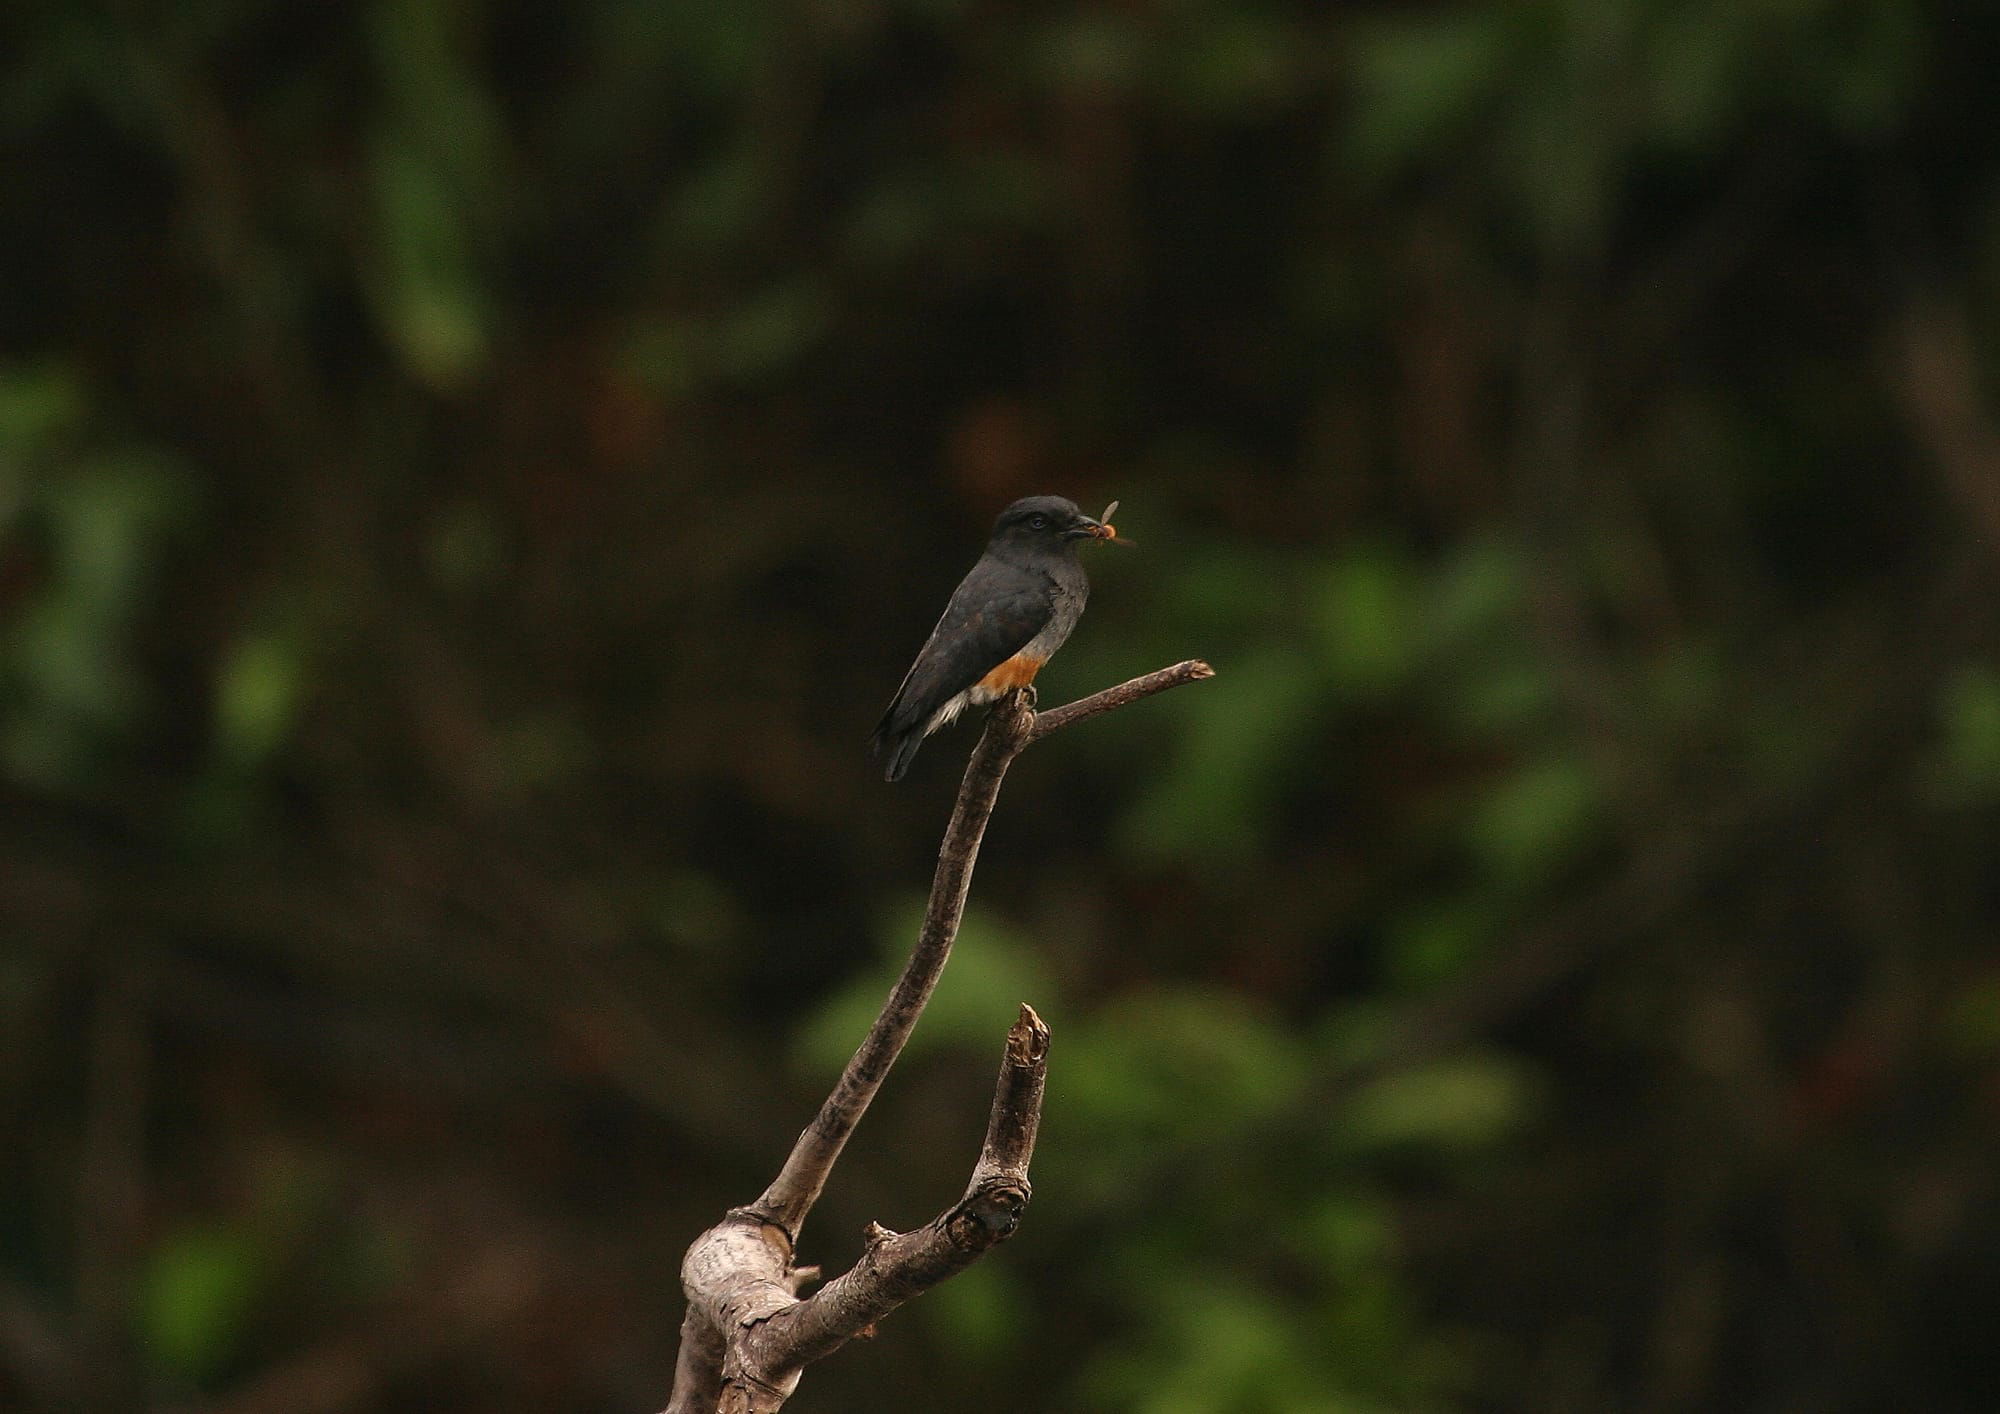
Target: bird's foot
(1013, 716)
(1015, 700)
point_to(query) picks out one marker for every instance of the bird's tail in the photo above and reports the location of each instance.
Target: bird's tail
(898, 747)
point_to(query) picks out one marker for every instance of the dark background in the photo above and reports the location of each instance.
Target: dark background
(472, 472)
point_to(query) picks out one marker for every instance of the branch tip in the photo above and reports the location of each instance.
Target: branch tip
(1028, 1039)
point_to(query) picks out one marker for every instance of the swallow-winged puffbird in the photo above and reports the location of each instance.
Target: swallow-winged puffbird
(1005, 619)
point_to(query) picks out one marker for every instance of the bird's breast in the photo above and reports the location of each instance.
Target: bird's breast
(1017, 671)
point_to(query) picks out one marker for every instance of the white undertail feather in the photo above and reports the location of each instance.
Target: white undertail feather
(977, 695)
(947, 713)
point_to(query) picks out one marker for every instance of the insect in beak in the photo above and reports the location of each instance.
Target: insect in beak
(1106, 530)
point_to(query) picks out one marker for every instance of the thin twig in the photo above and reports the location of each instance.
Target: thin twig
(1056, 718)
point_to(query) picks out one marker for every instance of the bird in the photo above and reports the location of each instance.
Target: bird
(1006, 619)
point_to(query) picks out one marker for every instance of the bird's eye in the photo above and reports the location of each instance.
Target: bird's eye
(1038, 522)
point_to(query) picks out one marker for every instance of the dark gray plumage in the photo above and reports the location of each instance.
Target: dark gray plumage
(1006, 618)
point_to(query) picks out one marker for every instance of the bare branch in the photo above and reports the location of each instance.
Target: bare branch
(698, 1372)
(1017, 1101)
(748, 1335)
(1126, 693)
(899, 1266)
(797, 1186)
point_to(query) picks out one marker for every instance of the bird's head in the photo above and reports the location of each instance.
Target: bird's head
(1047, 521)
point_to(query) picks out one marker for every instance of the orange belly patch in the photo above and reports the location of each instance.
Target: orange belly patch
(1017, 671)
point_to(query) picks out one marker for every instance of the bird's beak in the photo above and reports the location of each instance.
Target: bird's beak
(1101, 529)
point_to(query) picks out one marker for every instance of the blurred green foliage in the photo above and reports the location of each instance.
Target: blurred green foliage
(470, 474)
(100, 516)
(201, 1290)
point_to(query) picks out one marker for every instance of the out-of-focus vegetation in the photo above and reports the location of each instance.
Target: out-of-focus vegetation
(470, 473)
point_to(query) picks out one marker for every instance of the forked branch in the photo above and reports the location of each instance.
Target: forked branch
(748, 1334)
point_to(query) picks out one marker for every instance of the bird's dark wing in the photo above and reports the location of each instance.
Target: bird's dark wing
(992, 615)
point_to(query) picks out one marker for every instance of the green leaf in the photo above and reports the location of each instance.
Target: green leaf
(1420, 81)
(1965, 767)
(1168, 1064)
(771, 329)
(1434, 941)
(1497, 695)
(37, 403)
(256, 697)
(1535, 819)
(1366, 615)
(197, 1292)
(1971, 1022)
(422, 283)
(67, 656)
(1475, 595)
(1244, 735)
(1463, 1104)
(1347, 1233)
(436, 169)
(981, 1313)
(1231, 63)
